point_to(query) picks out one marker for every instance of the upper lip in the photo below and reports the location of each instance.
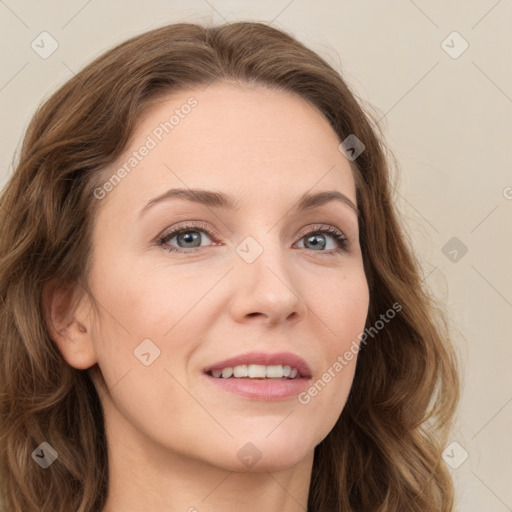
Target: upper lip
(266, 359)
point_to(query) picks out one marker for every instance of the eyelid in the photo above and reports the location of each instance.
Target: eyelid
(191, 224)
(319, 226)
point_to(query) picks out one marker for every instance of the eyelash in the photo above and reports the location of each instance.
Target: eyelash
(330, 230)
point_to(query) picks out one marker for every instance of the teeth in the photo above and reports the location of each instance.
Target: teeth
(227, 372)
(240, 371)
(257, 371)
(275, 372)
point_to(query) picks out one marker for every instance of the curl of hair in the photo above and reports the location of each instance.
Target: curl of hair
(384, 453)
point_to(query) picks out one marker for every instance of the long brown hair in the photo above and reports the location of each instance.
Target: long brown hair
(385, 451)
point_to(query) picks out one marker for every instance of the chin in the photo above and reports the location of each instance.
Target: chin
(266, 454)
(265, 465)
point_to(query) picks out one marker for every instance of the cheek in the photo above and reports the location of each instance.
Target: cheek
(349, 319)
(140, 301)
(324, 400)
(343, 305)
(148, 325)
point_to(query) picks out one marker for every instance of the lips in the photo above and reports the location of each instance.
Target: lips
(266, 389)
(265, 359)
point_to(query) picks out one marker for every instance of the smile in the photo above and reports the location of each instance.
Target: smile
(261, 376)
(256, 371)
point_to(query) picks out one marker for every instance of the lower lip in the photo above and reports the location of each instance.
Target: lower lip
(262, 389)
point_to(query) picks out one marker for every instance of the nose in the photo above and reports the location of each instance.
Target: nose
(266, 291)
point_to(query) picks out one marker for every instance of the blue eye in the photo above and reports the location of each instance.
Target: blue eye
(339, 237)
(186, 230)
(189, 236)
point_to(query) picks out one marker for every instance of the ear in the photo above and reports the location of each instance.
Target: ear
(69, 323)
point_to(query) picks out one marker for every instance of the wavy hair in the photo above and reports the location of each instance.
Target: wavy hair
(385, 451)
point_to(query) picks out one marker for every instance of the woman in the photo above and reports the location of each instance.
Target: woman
(207, 299)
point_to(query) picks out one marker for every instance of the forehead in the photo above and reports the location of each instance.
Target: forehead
(244, 117)
(236, 138)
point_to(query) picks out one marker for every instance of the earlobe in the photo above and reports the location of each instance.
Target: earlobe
(69, 324)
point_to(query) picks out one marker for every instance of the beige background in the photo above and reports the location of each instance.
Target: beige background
(446, 119)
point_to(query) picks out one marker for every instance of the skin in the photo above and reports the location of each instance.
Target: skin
(172, 437)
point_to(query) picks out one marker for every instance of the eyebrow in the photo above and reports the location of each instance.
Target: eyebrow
(214, 199)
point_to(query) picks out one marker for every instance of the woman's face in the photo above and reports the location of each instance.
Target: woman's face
(258, 280)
